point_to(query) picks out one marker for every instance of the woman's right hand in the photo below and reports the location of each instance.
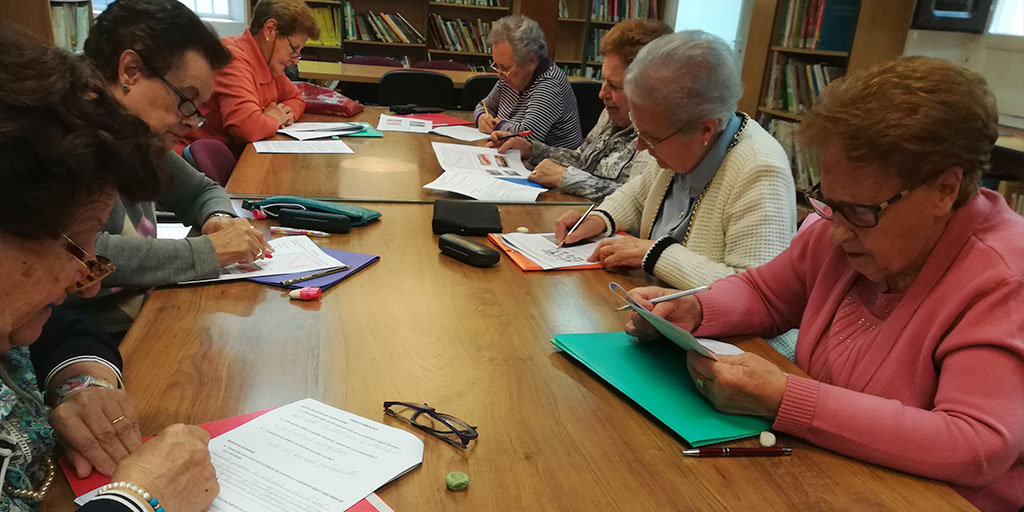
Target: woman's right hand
(524, 146)
(175, 468)
(281, 113)
(592, 226)
(237, 242)
(487, 123)
(685, 312)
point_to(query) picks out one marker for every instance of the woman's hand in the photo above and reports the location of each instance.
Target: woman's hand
(591, 226)
(547, 173)
(281, 113)
(84, 420)
(487, 123)
(685, 312)
(524, 146)
(739, 384)
(175, 468)
(621, 253)
(236, 241)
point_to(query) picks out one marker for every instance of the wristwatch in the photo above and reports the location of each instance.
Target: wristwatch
(220, 214)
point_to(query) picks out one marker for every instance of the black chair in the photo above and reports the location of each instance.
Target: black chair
(424, 88)
(589, 105)
(476, 89)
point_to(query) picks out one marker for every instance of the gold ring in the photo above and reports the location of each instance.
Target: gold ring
(117, 419)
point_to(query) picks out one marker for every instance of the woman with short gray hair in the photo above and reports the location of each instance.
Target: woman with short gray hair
(723, 200)
(532, 94)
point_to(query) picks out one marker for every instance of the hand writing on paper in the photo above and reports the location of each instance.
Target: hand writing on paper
(281, 113)
(524, 146)
(592, 226)
(84, 421)
(740, 384)
(685, 312)
(174, 467)
(621, 253)
(547, 173)
(235, 241)
(487, 123)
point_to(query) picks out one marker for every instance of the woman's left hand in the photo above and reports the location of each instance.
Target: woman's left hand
(547, 173)
(625, 252)
(739, 384)
(85, 422)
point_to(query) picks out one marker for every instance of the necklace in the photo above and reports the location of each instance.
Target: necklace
(735, 140)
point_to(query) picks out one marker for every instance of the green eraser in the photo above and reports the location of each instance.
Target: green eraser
(456, 481)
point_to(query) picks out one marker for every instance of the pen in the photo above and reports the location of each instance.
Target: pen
(574, 226)
(281, 230)
(314, 275)
(776, 451)
(509, 136)
(671, 296)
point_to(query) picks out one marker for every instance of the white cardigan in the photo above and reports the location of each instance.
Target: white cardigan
(746, 218)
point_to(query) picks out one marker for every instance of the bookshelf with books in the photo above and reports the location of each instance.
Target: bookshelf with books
(458, 30)
(70, 20)
(582, 24)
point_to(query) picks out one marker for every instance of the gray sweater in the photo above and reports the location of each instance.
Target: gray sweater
(143, 261)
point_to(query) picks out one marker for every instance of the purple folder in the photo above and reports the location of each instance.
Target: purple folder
(355, 261)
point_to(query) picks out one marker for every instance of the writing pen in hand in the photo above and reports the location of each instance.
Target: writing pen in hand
(671, 296)
(775, 451)
(574, 226)
(509, 136)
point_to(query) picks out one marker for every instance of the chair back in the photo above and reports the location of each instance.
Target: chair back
(476, 89)
(424, 88)
(373, 61)
(212, 158)
(449, 65)
(589, 105)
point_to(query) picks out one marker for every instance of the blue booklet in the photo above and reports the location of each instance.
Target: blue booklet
(355, 261)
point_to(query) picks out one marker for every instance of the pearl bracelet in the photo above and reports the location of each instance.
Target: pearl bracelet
(122, 486)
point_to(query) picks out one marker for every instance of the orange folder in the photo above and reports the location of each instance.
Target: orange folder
(526, 264)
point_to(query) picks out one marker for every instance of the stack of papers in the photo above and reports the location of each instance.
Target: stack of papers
(439, 119)
(292, 254)
(483, 173)
(403, 124)
(308, 131)
(463, 133)
(302, 147)
(542, 249)
(678, 335)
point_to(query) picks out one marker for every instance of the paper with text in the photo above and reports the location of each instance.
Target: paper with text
(461, 132)
(336, 147)
(542, 249)
(479, 160)
(306, 457)
(403, 124)
(667, 329)
(484, 188)
(292, 254)
(309, 131)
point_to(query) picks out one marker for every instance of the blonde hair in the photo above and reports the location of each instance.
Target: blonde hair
(626, 39)
(292, 16)
(915, 117)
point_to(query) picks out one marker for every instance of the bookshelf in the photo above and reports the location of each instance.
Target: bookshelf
(582, 23)
(64, 23)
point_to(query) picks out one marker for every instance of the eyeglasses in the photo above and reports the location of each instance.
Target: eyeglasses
(424, 417)
(859, 215)
(98, 267)
(647, 142)
(186, 107)
(500, 71)
(296, 51)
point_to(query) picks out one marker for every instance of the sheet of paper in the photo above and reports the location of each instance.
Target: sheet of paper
(309, 131)
(543, 249)
(463, 133)
(667, 329)
(306, 457)
(483, 188)
(172, 231)
(292, 254)
(403, 124)
(477, 160)
(302, 146)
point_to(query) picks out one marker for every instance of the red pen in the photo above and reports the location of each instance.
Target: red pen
(509, 136)
(776, 451)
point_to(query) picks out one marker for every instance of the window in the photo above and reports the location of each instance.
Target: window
(227, 10)
(1008, 18)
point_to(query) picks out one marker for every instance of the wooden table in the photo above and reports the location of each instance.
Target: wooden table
(361, 73)
(393, 167)
(418, 326)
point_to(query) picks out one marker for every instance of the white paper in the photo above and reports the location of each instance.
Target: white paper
(172, 231)
(308, 456)
(481, 161)
(679, 336)
(542, 249)
(309, 131)
(484, 188)
(292, 254)
(720, 347)
(403, 124)
(299, 146)
(461, 132)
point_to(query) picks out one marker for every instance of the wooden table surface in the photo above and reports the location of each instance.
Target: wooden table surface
(395, 166)
(361, 73)
(419, 326)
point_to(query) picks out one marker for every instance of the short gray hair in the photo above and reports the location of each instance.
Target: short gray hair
(522, 34)
(692, 74)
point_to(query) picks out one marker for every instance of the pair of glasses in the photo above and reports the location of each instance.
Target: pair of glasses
(500, 71)
(186, 107)
(296, 51)
(649, 143)
(859, 215)
(448, 428)
(98, 267)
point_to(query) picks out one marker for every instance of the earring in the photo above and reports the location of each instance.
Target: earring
(125, 87)
(706, 142)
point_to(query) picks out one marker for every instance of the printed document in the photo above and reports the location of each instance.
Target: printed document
(403, 124)
(292, 254)
(461, 132)
(308, 131)
(484, 188)
(302, 147)
(679, 336)
(543, 249)
(478, 160)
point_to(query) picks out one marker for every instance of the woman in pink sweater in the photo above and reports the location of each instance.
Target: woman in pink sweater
(910, 301)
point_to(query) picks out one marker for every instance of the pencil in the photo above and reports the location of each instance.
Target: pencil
(314, 275)
(663, 298)
(485, 107)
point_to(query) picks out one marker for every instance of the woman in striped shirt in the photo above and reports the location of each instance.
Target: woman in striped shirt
(531, 93)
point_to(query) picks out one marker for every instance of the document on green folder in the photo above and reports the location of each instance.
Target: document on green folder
(368, 131)
(653, 374)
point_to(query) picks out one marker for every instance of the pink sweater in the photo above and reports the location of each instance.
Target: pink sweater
(941, 393)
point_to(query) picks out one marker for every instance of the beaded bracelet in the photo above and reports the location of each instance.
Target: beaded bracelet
(149, 498)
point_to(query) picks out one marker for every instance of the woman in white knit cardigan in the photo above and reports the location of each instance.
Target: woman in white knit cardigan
(723, 200)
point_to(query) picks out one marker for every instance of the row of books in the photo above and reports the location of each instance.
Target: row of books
(459, 35)
(382, 27)
(805, 168)
(593, 51)
(618, 10)
(592, 72)
(481, 3)
(563, 9)
(404, 59)
(1013, 191)
(794, 84)
(819, 24)
(71, 22)
(327, 18)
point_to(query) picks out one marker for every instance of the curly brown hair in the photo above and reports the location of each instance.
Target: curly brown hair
(626, 38)
(64, 140)
(293, 17)
(913, 116)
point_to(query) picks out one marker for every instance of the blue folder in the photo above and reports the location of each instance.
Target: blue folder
(355, 261)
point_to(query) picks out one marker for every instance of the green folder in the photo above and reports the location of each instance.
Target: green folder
(368, 131)
(654, 375)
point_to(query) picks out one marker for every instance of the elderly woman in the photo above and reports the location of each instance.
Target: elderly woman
(67, 148)
(532, 94)
(158, 60)
(609, 156)
(252, 97)
(909, 299)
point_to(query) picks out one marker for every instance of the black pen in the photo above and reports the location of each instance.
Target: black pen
(314, 275)
(574, 226)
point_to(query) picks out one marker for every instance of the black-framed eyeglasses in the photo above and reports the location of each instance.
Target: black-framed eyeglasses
(98, 266)
(424, 417)
(186, 107)
(651, 144)
(296, 51)
(859, 215)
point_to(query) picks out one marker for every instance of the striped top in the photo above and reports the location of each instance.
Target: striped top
(547, 107)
